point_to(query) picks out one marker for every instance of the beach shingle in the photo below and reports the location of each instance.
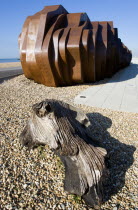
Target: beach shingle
(35, 179)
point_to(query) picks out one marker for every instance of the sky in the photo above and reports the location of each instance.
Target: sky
(124, 14)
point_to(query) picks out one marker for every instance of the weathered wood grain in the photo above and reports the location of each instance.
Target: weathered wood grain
(66, 130)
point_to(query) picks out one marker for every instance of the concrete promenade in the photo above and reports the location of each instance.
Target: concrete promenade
(119, 93)
(10, 72)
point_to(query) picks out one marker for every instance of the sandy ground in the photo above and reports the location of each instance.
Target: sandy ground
(11, 64)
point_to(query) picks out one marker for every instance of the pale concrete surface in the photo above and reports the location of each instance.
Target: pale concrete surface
(9, 72)
(119, 93)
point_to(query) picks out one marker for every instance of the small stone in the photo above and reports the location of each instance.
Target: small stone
(54, 206)
(115, 208)
(62, 206)
(113, 205)
(25, 186)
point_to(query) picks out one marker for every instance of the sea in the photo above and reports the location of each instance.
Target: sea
(8, 60)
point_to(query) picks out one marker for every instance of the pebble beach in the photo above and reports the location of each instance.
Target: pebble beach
(10, 64)
(34, 179)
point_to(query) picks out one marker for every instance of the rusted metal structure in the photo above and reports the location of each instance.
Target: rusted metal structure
(59, 49)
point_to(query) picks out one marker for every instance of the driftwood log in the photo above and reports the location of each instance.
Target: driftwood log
(66, 130)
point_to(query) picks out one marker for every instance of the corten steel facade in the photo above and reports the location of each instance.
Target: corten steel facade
(59, 49)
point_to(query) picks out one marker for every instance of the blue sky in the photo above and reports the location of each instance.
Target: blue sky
(124, 14)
